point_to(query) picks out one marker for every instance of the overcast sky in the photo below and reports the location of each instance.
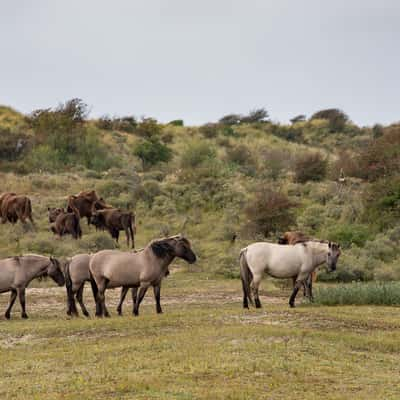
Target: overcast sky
(200, 59)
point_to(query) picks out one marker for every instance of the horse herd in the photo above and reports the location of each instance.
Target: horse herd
(66, 221)
(294, 256)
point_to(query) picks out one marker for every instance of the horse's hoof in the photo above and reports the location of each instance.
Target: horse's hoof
(24, 316)
(292, 305)
(159, 311)
(86, 314)
(7, 315)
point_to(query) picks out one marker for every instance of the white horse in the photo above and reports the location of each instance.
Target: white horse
(281, 261)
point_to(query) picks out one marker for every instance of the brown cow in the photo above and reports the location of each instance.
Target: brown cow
(64, 223)
(115, 220)
(15, 207)
(293, 237)
(85, 202)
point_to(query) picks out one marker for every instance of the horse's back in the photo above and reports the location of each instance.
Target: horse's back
(279, 261)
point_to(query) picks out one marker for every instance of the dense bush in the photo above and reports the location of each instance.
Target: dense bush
(310, 167)
(12, 144)
(148, 128)
(241, 156)
(197, 152)
(152, 151)
(269, 212)
(337, 118)
(350, 234)
(125, 124)
(257, 115)
(176, 122)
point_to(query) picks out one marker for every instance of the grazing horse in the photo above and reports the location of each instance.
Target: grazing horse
(112, 268)
(282, 261)
(17, 272)
(76, 271)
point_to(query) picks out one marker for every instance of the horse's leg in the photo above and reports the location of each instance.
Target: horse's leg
(254, 286)
(301, 278)
(142, 291)
(11, 303)
(21, 295)
(124, 291)
(71, 309)
(309, 287)
(157, 296)
(134, 291)
(79, 297)
(101, 298)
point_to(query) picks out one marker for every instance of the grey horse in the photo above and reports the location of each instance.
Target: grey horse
(17, 272)
(111, 269)
(76, 272)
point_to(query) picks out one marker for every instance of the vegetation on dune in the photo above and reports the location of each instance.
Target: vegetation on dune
(224, 184)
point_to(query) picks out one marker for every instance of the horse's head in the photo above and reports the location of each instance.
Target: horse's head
(332, 256)
(54, 213)
(55, 272)
(176, 246)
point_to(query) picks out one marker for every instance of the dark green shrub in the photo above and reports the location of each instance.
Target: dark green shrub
(257, 115)
(230, 119)
(176, 122)
(350, 234)
(152, 151)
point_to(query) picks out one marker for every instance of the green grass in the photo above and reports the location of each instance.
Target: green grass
(377, 293)
(204, 346)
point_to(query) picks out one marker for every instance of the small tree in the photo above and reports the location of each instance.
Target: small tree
(152, 151)
(337, 118)
(230, 119)
(257, 115)
(298, 118)
(148, 128)
(269, 212)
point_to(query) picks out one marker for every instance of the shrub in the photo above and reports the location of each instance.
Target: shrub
(298, 118)
(350, 234)
(269, 212)
(243, 157)
(230, 119)
(148, 128)
(310, 167)
(209, 130)
(257, 115)
(151, 189)
(337, 118)
(152, 151)
(196, 153)
(176, 122)
(12, 144)
(382, 203)
(274, 162)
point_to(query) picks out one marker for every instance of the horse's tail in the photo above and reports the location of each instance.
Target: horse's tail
(246, 275)
(95, 291)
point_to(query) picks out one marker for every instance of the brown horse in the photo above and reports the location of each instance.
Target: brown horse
(17, 272)
(85, 202)
(14, 207)
(111, 269)
(293, 237)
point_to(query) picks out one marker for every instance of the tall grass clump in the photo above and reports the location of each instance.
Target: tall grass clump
(374, 293)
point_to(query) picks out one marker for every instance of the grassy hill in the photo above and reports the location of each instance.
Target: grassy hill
(244, 179)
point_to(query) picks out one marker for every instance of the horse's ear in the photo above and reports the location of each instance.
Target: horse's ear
(48, 208)
(330, 245)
